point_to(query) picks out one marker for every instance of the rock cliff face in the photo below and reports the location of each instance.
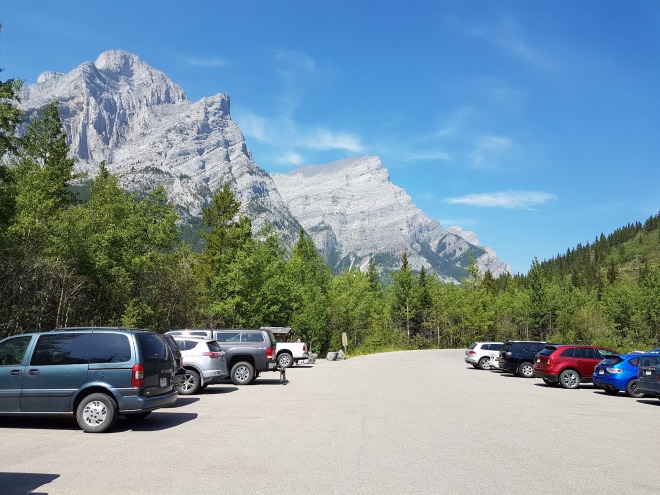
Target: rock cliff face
(353, 211)
(121, 110)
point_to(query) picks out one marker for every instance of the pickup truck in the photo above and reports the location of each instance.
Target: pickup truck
(288, 352)
(248, 351)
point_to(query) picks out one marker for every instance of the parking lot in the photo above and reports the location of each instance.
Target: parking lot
(405, 423)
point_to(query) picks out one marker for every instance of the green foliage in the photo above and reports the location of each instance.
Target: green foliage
(110, 258)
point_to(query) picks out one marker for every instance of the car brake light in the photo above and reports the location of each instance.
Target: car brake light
(304, 347)
(211, 354)
(269, 353)
(137, 376)
(472, 352)
(614, 371)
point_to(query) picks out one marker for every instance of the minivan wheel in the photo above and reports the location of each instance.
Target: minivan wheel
(569, 379)
(631, 389)
(285, 360)
(526, 370)
(242, 373)
(191, 383)
(96, 413)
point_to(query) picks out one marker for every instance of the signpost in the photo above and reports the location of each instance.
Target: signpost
(344, 342)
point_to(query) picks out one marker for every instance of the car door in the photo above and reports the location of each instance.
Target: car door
(587, 361)
(57, 369)
(12, 368)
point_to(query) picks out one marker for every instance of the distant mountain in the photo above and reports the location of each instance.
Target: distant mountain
(121, 110)
(353, 212)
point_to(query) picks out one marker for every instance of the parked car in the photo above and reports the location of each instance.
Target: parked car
(180, 372)
(93, 373)
(618, 373)
(248, 352)
(569, 365)
(203, 362)
(648, 375)
(517, 356)
(479, 354)
(494, 364)
(288, 351)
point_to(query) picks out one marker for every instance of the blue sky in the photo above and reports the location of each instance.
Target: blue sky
(535, 124)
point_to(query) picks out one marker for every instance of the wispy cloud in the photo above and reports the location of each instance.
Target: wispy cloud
(510, 38)
(427, 156)
(207, 62)
(290, 158)
(504, 199)
(488, 149)
(324, 139)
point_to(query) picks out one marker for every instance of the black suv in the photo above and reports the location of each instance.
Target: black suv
(517, 356)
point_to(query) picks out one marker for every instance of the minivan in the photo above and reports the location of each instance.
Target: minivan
(94, 373)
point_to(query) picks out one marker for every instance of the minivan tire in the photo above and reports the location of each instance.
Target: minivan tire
(191, 383)
(242, 373)
(526, 370)
(96, 413)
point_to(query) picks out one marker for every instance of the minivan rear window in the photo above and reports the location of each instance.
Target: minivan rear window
(109, 348)
(154, 348)
(649, 360)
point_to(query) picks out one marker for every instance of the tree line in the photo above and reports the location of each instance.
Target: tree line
(118, 259)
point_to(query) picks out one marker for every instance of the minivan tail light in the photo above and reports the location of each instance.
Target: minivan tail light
(137, 376)
(269, 353)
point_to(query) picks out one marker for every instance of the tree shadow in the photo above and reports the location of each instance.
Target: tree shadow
(22, 483)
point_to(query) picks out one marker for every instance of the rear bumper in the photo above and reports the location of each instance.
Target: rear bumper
(651, 389)
(471, 360)
(272, 365)
(141, 403)
(545, 376)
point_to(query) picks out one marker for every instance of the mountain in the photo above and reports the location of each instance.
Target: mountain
(121, 110)
(352, 211)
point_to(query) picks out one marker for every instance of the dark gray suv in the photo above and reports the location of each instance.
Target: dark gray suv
(95, 373)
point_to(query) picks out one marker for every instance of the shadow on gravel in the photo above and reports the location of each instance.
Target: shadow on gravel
(64, 422)
(269, 381)
(22, 483)
(215, 390)
(183, 401)
(156, 421)
(303, 366)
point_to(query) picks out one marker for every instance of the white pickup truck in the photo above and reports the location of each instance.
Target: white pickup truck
(288, 353)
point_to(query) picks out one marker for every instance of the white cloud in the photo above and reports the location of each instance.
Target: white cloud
(323, 139)
(504, 199)
(207, 62)
(427, 156)
(290, 158)
(487, 147)
(252, 125)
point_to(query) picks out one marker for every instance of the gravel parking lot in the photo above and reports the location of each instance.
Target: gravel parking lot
(397, 423)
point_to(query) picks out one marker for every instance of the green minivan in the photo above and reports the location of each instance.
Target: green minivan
(96, 373)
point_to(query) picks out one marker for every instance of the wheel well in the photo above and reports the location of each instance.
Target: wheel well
(90, 391)
(238, 359)
(285, 351)
(570, 369)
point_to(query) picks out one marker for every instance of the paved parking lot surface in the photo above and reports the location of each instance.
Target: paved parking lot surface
(399, 423)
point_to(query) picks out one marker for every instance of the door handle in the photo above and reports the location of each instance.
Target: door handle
(33, 372)
(15, 372)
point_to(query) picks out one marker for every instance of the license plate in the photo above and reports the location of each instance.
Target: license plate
(538, 360)
(163, 382)
(601, 372)
(648, 372)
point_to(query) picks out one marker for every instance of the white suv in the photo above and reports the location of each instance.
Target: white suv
(479, 353)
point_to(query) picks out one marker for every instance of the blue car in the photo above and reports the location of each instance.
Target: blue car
(618, 373)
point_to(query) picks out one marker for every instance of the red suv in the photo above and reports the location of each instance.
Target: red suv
(569, 365)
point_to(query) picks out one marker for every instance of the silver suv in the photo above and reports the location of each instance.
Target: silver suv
(480, 353)
(203, 361)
